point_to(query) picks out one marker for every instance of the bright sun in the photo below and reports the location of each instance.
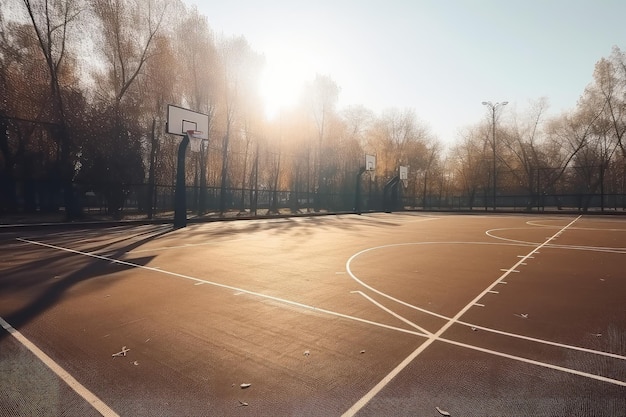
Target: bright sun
(286, 72)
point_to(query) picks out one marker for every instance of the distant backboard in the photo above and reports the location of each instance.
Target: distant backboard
(180, 121)
(404, 173)
(370, 163)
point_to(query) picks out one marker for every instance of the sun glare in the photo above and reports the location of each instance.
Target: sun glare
(285, 75)
(280, 86)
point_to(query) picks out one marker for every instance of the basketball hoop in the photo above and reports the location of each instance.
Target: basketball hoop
(195, 140)
(370, 165)
(404, 176)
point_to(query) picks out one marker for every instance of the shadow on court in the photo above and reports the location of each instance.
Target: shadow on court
(273, 303)
(42, 281)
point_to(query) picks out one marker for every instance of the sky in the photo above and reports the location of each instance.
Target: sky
(439, 58)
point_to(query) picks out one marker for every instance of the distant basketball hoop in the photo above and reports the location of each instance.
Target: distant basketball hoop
(370, 165)
(404, 176)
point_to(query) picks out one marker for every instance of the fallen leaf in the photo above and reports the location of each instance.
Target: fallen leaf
(121, 352)
(442, 412)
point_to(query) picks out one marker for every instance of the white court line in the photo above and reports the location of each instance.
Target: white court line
(596, 229)
(393, 245)
(502, 354)
(321, 310)
(589, 248)
(399, 317)
(441, 316)
(543, 341)
(87, 395)
(433, 337)
(537, 363)
(88, 234)
(187, 245)
(229, 287)
(495, 352)
(552, 246)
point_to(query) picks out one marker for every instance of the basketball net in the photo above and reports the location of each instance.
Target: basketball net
(195, 140)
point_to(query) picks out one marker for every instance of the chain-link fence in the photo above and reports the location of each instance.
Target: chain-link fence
(44, 200)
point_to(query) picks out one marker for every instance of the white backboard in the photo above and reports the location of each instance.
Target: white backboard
(404, 173)
(180, 120)
(370, 163)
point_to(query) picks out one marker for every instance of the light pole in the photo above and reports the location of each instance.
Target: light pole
(494, 108)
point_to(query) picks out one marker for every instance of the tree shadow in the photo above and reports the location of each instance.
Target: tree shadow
(282, 225)
(44, 279)
(36, 279)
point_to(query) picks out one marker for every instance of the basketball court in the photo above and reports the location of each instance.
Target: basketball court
(403, 314)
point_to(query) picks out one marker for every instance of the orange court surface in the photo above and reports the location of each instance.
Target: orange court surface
(403, 314)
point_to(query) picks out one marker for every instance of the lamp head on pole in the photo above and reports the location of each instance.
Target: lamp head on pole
(492, 106)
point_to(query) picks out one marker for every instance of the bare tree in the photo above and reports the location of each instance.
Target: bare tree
(610, 88)
(128, 30)
(571, 134)
(358, 120)
(158, 90)
(11, 78)
(198, 77)
(522, 150)
(321, 96)
(51, 21)
(128, 33)
(470, 163)
(241, 69)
